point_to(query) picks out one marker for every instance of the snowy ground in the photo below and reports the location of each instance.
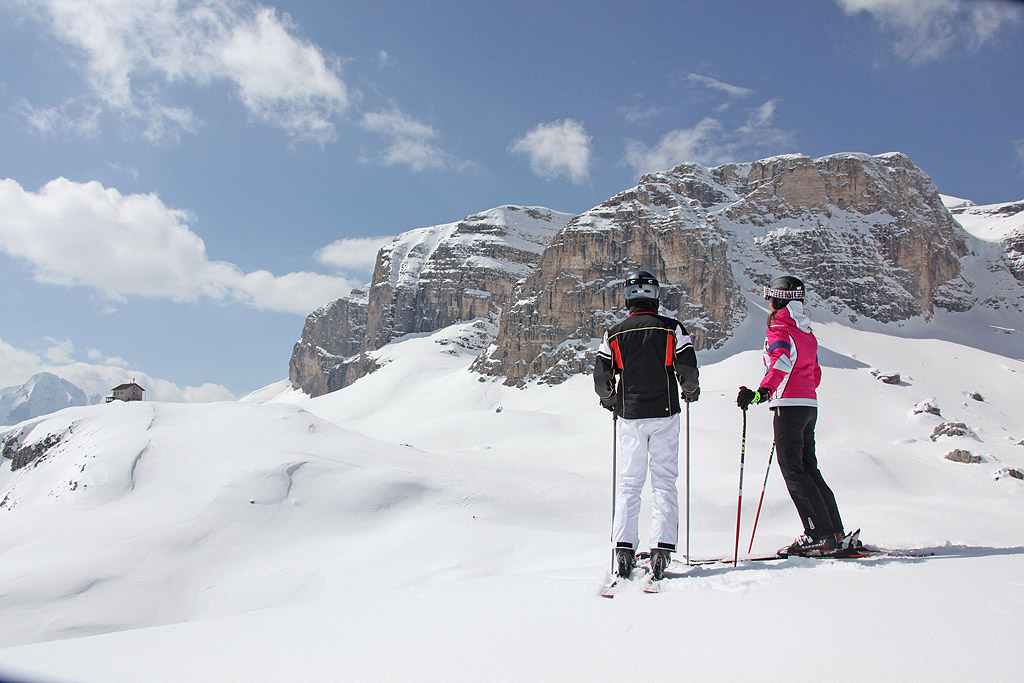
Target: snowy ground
(423, 525)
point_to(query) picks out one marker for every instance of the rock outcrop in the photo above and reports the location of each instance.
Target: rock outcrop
(424, 280)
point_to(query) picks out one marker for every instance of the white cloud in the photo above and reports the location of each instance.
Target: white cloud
(1018, 147)
(762, 117)
(128, 170)
(60, 351)
(558, 149)
(734, 91)
(280, 78)
(711, 142)
(299, 292)
(352, 255)
(926, 30)
(410, 142)
(700, 144)
(638, 114)
(82, 120)
(96, 356)
(16, 365)
(131, 50)
(83, 234)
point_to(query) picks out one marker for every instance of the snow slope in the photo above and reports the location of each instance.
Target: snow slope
(424, 524)
(992, 223)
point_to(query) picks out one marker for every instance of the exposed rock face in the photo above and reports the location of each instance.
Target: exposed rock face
(869, 234)
(424, 280)
(1014, 245)
(576, 291)
(331, 335)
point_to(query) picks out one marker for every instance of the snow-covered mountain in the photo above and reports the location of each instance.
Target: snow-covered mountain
(870, 234)
(43, 393)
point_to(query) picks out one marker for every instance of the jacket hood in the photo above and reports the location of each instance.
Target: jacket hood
(793, 314)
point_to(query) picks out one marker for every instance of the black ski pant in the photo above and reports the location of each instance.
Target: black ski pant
(794, 444)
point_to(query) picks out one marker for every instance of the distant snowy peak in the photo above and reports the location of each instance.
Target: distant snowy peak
(424, 279)
(42, 394)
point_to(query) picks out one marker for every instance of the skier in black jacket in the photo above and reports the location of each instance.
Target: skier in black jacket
(640, 366)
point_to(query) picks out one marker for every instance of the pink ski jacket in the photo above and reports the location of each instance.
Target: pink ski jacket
(791, 359)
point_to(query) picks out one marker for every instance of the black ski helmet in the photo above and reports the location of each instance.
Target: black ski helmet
(642, 288)
(784, 289)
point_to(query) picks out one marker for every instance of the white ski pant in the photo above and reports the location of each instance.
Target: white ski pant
(648, 443)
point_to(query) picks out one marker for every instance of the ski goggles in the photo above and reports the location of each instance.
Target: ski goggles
(642, 291)
(784, 294)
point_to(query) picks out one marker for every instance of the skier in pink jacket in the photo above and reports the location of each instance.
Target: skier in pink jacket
(789, 387)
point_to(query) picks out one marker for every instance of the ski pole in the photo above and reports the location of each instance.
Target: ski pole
(687, 484)
(763, 487)
(615, 472)
(739, 500)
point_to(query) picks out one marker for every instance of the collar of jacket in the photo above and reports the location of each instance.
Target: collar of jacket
(793, 314)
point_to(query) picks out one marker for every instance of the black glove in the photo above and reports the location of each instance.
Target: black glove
(692, 396)
(609, 403)
(746, 397)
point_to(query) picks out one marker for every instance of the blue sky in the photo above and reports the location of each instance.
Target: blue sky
(181, 182)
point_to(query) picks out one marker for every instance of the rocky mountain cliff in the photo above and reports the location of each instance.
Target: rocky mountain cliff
(870, 234)
(425, 279)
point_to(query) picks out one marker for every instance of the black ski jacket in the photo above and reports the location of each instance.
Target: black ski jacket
(638, 364)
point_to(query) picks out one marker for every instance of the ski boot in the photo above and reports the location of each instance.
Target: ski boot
(625, 561)
(810, 547)
(660, 559)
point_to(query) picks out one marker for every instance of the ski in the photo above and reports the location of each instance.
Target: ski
(854, 554)
(616, 582)
(652, 586)
(609, 589)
